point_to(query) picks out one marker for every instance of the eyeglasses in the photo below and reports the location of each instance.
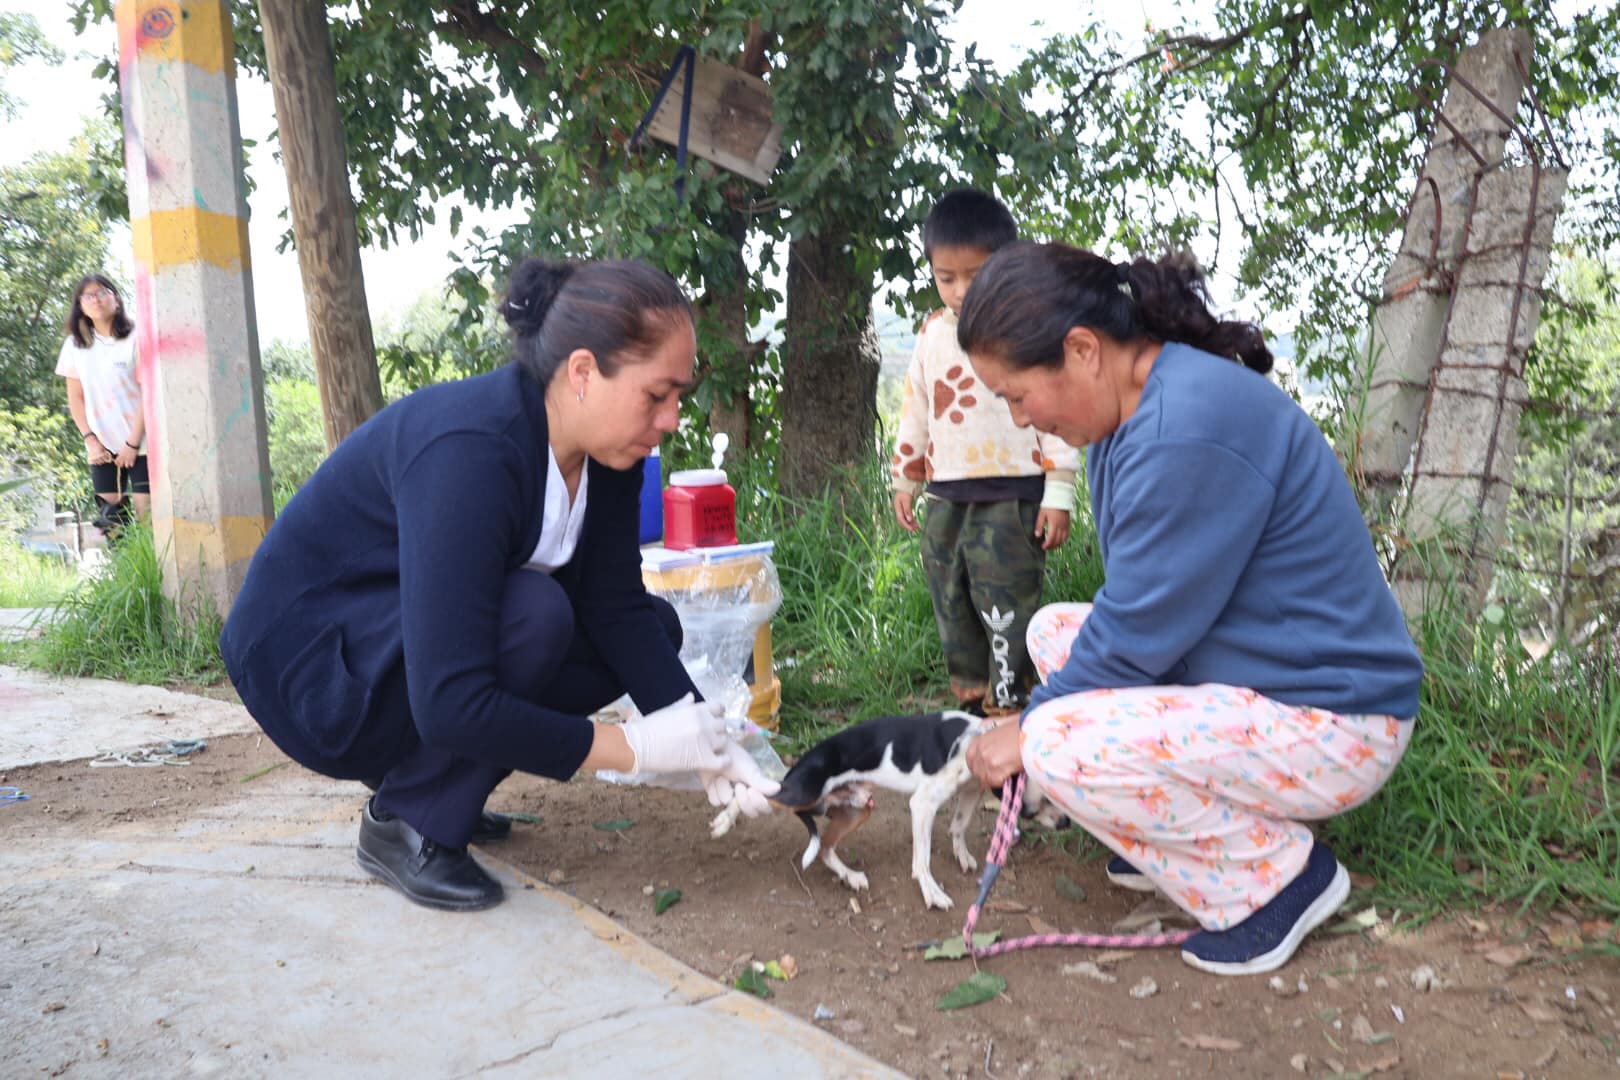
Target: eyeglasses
(99, 294)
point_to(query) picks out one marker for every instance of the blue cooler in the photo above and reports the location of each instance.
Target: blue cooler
(652, 498)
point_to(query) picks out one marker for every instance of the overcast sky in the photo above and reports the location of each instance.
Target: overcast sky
(55, 99)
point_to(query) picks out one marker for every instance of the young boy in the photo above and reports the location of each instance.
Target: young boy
(1000, 495)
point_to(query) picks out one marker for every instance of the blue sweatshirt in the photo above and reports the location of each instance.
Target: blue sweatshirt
(399, 547)
(1234, 552)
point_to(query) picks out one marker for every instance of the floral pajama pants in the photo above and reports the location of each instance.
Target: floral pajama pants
(1202, 788)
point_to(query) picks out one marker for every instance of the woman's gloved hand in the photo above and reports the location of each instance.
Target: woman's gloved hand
(685, 736)
(739, 778)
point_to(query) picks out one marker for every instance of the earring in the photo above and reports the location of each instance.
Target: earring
(580, 397)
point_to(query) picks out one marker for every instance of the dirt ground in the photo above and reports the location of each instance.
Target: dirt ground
(1471, 996)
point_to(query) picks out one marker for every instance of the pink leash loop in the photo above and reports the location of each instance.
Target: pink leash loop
(1001, 843)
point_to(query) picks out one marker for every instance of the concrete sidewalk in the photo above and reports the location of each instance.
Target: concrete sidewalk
(246, 942)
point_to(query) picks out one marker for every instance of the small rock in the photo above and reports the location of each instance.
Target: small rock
(647, 890)
(1361, 1029)
(55, 1006)
(556, 877)
(824, 1013)
(1281, 987)
(1381, 983)
(789, 966)
(1298, 1062)
(1598, 995)
(1144, 989)
(1424, 979)
(1330, 982)
(908, 1032)
(1400, 1014)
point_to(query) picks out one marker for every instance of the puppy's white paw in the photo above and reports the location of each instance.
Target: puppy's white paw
(933, 895)
(724, 820)
(855, 879)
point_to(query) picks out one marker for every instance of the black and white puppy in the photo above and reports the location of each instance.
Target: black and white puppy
(921, 756)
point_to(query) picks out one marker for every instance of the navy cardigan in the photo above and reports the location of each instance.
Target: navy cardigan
(399, 547)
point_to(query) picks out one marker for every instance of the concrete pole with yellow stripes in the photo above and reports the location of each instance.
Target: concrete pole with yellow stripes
(196, 335)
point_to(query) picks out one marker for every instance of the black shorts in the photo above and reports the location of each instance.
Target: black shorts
(109, 478)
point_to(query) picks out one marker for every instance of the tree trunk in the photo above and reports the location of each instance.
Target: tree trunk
(732, 408)
(731, 361)
(829, 363)
(298, 52)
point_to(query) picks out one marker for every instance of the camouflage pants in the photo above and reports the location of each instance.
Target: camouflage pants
(984, 568)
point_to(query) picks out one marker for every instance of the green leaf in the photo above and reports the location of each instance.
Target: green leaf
(665, 899)
(976, 989)
(752, 982)
(1070, 890)
(956, 949)
(616, 825)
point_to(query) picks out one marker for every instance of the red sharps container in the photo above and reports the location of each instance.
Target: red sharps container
(700, 510)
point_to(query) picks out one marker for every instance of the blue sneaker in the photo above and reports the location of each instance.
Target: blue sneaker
(1126, 876)
(1266, 939)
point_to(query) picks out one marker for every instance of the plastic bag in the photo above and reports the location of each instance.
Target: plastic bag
(723, 596)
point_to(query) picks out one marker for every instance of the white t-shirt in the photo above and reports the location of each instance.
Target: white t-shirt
(560, 523)
(112, 389)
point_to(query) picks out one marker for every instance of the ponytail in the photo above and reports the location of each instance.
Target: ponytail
(1027, 297)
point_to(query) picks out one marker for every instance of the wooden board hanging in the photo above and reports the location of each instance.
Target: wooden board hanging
(731, 121)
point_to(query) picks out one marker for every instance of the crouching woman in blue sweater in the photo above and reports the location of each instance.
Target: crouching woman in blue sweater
(1244, 667)
(458, 586)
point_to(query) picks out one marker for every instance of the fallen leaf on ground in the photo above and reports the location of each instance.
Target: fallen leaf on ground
(664, 899)
(977, 988)
(616, 825)
(1038, 925)
(1357, 923)
(1384, 1064)
(1070, 890)
(789, 966)
(955, 948)
(527, 819)
(1508, 955)
(1538, 1012)
(1007, 907)
(1147, 914)
(1113, 956)
(753, 982)
(1208, 1042)
(1090, 971)
(55, 1006)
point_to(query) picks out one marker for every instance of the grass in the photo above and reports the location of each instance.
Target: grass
(1509, 792)
(118, 624)
(28, 580)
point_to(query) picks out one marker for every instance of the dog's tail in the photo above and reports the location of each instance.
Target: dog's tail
(814, 848)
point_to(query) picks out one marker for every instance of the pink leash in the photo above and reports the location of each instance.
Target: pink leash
(1005, 836)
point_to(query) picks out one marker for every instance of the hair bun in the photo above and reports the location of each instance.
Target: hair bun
(531, 292)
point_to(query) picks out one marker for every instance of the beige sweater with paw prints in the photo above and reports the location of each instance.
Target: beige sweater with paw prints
(952, 428)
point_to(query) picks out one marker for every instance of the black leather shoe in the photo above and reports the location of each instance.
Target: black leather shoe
(430, 874)
(491, 827)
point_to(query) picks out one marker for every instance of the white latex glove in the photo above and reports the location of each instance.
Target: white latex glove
(739, 778)
(681, 737)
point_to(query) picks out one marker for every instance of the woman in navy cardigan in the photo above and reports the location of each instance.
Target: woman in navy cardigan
(458, 586)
